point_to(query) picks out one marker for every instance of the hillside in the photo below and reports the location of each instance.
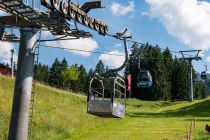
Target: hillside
(62, 115)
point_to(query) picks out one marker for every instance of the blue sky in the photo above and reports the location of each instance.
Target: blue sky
(147, 23)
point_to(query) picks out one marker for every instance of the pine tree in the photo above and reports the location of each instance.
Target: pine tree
(82, 79)
(64, 64)
(132, 68)
(180, 80)
(63, 67)
(56, 73)
(156, 66)
(168, 62)
(100, 69)
(158, 71)
(41, 73)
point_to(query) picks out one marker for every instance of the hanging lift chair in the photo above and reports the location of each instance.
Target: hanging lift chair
(114, 106)
(107, 107)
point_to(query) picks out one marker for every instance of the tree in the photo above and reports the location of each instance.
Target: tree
(156, 67)
(41, 73)
(64, 64)
(100, 68)
(132, 68)
(69, 75)
(158, 70)
(56, 74)
(63, 67)
(81, 83)
(180, 80)
(168, 62)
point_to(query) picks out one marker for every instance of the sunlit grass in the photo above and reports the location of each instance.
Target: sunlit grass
(62, 115)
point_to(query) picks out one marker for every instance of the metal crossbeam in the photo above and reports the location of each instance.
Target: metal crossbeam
(24, 16)
(196, 57)
(86, 7)
(10, 37)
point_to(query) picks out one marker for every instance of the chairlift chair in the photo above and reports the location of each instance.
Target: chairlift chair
(97, 103)
(107, 107)
(144, 79)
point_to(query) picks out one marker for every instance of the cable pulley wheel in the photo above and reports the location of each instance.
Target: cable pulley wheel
(97, 26)
(86, 21)
(91, 23)
(105, 30)
(72, 13)
(79, 18)
(64, 8)
(102, 29)
(56, 4)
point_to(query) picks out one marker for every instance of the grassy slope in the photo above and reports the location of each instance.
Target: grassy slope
(60, 115)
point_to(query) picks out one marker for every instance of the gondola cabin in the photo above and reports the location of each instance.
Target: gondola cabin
(203, 75)
(144, 79)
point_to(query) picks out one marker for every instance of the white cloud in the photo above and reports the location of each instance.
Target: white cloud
(5, 54)
(187, 20)
(208, 59)
(118, 45)
(113, 61)
(87, 44)
(121, 10)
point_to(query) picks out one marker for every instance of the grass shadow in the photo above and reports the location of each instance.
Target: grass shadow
(200, 109)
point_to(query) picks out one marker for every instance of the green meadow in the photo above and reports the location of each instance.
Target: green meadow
(61, 115)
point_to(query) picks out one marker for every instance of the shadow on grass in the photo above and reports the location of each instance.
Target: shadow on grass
(201, 109)
(202, 136)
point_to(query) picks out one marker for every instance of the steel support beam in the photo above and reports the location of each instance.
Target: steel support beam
(189, 60)
(86, 7)
(18, 129)
(1, 33)
(191, 83)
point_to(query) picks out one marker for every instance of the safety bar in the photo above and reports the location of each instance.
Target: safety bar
(123, 86)
(92, 89)
(98, 92)
(120, 92)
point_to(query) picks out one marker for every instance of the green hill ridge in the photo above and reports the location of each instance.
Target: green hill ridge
(61, 115)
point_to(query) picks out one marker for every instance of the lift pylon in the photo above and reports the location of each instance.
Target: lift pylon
(18, 129)
(190, 58)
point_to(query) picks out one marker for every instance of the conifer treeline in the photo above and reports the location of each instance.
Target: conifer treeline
(170, 75)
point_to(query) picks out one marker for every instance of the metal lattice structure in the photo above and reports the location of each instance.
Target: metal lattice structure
(56, 20)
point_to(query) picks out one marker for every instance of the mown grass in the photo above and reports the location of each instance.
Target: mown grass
(62, 115)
